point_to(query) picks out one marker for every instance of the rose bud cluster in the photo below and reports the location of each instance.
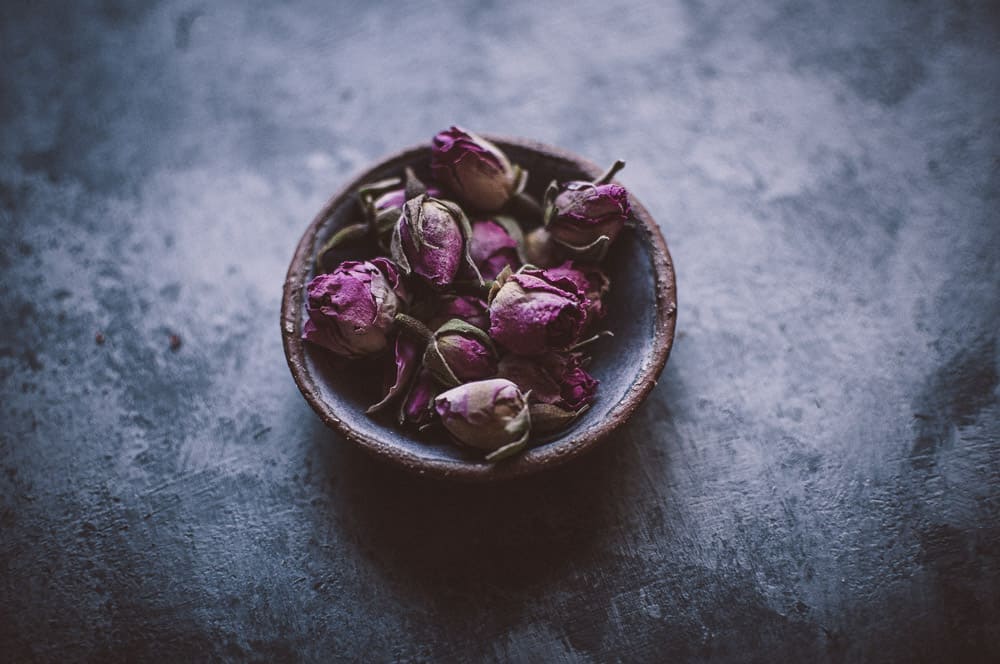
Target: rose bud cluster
(482, 327)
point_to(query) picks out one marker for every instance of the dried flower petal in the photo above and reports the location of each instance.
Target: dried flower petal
(404, 364)
(496, 244)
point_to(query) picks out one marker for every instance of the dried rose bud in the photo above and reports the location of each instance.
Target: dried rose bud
(496, 244)
(469, 308)
(400, 371)
(586, 217)
(459, 352)
(531, 314)
(539, 248)
(351, 309)
(418, 406)
(477, 171)
(555, 378)
(489, 415)
(590, 280)
(431, 239)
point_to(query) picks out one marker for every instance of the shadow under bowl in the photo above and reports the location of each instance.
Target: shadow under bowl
(641, 312)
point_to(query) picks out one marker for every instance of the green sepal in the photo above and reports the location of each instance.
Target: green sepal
(345, 235)
(433, 359)
(509, 224)
(414, 185)
(498, 283)
(508, 450)
(415, 328)
(465, 226)
(367, 194)
(396, 243)
(525, 208)
(438, 368)
(520, 179)
(521, 421)
(549, 203)
(547, 419)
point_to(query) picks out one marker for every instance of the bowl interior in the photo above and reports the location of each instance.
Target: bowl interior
(640, 314)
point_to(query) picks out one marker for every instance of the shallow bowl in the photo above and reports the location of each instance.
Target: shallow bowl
(641, 313)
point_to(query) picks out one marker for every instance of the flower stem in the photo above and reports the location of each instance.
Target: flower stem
(585, 342)
(610, 173)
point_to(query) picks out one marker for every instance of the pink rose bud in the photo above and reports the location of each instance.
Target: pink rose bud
(431, 240)
(586, 217)
(590, 280)
(490, 415)
(531, 314)
(555, 378)
(495, 245)
(459, 352)
(351, 309)
(469, 308)
(474, 169)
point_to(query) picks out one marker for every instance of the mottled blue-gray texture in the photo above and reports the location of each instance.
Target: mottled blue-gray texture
(815, 478)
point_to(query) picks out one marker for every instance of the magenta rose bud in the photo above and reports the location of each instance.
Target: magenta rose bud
(469, 308)
(495, 244)
(418, 406)
(531, 314)
(555, 378)
(490, 415)
(477, 171)
(431, 240)
(459, 352)
(352, 309)
(586, 217)
(589, 280)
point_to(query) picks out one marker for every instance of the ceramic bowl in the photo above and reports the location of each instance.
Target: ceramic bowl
(641, 311)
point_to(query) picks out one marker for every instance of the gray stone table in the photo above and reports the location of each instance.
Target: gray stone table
(816, 477)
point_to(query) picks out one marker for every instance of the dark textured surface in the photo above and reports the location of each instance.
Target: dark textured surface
(816, 478)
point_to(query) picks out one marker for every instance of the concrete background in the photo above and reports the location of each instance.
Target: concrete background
(816, 477)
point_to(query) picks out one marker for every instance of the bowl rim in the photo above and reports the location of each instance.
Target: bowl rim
(550, 454)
